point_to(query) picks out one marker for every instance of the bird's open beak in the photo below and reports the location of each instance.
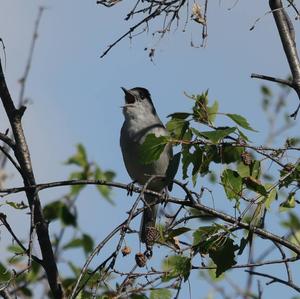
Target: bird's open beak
(129, 97)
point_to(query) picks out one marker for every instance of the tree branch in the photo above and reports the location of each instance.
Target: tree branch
(23, 156)
(227, 218)
(275, 279)
(287, 35)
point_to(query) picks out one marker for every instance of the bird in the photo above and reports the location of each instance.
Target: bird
(141, 119)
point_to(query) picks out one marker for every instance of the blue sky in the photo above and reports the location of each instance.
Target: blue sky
(75, 96)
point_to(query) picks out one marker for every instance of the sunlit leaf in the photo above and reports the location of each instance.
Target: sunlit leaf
(152, 148)
(255, 185)
(177, 265)
(241, 121)
(289, 203)
(232, 183)
(218, 134)
(80, 158)
(160, 294)
(17, 205)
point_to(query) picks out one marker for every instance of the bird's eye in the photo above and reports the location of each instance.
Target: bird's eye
(142, 97)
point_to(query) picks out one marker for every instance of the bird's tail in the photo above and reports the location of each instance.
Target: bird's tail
(148, 220)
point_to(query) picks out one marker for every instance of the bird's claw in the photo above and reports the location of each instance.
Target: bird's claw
(130, 188)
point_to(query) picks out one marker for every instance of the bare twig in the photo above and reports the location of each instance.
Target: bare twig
(275, 279)
(287, 36)
(23, 156)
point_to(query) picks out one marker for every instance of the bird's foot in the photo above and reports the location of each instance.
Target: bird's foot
(130, 188)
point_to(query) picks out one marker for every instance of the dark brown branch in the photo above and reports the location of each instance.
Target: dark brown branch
(9, 229)
(11, 159)
(23, 79)
(7, 140)
(273, 79)
(285, 29)
(23, 157)
(275, 279)
(287, 35)
(262, 233)
(145, 20)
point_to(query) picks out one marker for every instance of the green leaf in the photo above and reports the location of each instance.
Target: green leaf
(212, 111)
(223, 255)
(242, 135)
(4, 273)
(17, 205)
(80, 158)
(232, 183)
(218, 134)
(241, 121)
(177, 265)
(138, 296)
(202, 234)
(105, 191)
(16, 249)
(265, 90)
(160, 294)
(77, 175)
(75, 269)
(289, 203)
(289, 174)
(152, 148)
(52, 210)
(173, 168)
(255, 185)
(272, 195)
(180, 115)
(88, 243)
(67, 217)
(293, 222)
(177, 127)
(74, 243)
(225, 154)
(178, 231)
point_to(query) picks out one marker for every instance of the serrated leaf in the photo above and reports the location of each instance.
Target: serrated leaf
(218, 134)
(160, 294)
(227, 249)
(232, 183)
(177, 265)
(152, 148)
(241, 121)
